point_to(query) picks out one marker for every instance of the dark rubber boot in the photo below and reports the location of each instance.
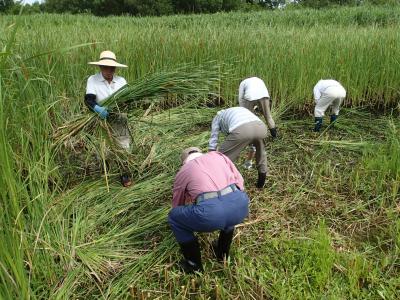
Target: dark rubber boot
(261, 180)
(222, 246)
(126, 180)
(191, 253)
(333, 118)
(318, 124)
(273, 132)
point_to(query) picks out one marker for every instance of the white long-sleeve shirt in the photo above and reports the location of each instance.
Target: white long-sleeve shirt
(227, 120)
(252, 89)
(322, 85)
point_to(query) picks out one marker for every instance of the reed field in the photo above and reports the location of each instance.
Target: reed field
(327, 224)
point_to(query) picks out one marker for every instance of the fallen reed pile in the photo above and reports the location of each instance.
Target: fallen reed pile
(194, 81)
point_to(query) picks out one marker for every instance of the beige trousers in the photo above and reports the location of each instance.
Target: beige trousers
(250, 133)
(263, 103)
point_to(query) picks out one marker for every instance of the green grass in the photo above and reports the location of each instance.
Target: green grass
(326, 226)
(290, 50)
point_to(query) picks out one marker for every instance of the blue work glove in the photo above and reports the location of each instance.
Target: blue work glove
(101, 111)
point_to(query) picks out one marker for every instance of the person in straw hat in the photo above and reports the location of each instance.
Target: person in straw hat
(98, 88)
(208, 195)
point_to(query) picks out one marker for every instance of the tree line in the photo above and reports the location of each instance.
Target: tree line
(167, 7)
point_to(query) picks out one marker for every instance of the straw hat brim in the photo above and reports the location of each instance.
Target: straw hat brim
(107, 63)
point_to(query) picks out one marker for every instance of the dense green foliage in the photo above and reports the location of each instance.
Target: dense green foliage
(290, 50)
(326, 226)
(168, 7)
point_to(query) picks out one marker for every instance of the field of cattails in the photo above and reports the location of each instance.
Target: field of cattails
(327, 224)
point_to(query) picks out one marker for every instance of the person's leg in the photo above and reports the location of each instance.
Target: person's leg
(192, 254)
(120, 130)
(179, 220)
(319, 111)
(335, 109)
(264, 103)
(206, 216)
(235, 142)
(236, 208)
(222, 245)
(260, 132)
(337, 94)
(251, 153)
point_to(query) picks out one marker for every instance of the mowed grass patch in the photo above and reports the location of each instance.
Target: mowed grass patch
(308, 235)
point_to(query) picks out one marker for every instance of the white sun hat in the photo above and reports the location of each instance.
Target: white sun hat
(107, 58)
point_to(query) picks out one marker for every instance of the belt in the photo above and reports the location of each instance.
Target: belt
(209, 195)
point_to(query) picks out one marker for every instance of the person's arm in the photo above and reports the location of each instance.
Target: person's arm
(317, 93)
(90, 101)
(178, 197)
(241, 93)
(212, 144)
(90, 96)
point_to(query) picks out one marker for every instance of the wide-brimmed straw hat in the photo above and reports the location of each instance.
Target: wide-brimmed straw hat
(185, 153)
(107, 58)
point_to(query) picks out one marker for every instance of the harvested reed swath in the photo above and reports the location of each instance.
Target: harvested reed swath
(185, 81)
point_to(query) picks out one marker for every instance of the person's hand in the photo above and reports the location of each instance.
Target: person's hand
(101, 111)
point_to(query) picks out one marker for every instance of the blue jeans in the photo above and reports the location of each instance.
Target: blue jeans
(220, 213)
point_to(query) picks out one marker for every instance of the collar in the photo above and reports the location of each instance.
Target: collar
(192, 156)
(100, 77)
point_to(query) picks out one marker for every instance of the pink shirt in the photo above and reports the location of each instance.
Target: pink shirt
(209, 172)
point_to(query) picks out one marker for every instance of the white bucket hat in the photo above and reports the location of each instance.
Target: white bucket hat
(107, 58)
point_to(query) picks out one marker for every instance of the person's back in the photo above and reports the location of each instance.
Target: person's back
(254, 88)
(209, 172)
(233, 117)
(327, 93)
(323, 84)
(253, 92)
(208, 195)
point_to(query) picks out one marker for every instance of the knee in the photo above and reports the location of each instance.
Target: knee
(318, 113)
(171, 218)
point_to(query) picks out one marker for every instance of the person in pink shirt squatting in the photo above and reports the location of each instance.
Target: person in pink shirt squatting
(208, 195)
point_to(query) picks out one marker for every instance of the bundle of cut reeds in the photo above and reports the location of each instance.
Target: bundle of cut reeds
(184, 81)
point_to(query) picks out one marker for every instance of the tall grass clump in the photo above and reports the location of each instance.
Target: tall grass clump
(379, 170)
(183, 82)
(290, 49)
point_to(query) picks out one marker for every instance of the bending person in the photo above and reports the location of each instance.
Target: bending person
(252, 92)
(242, 128)
(208, 195)
(327, 93)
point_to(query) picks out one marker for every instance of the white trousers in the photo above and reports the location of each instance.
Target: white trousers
(332, 96)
